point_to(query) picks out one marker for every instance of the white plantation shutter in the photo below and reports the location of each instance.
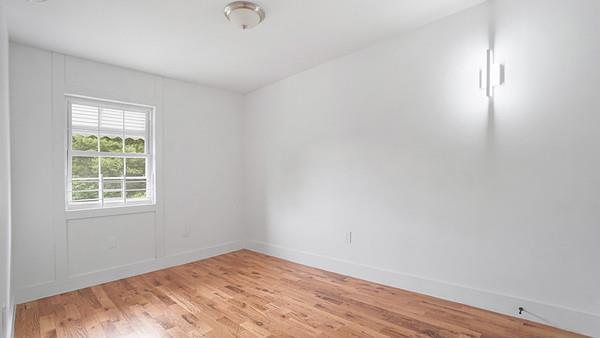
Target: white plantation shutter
(84, 118)
(111, 121)
(135, 123)
(109, 157)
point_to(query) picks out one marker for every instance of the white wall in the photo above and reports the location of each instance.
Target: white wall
(198, 176)
(5, 218)
(205, 181)
(395, 143)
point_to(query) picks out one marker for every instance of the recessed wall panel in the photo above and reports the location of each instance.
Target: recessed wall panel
(100, 243)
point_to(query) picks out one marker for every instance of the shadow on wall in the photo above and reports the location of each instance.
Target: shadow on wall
(490, 112)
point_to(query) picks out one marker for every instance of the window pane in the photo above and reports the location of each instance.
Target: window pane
(85, 196)
(112, 167)
(85, 184)
(113, 195)
(113, 190)
(85, 190)
(136, 184)
(85, 142)
(136, 189)
(136, 195)
(111, 144)
(84, 167)
(113, 185)
(136, 167)
(135, 145)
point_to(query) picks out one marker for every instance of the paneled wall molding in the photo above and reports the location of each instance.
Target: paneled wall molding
(58, 250)
(83, 214)
(159, 120)
(59, 149)
(98, 277)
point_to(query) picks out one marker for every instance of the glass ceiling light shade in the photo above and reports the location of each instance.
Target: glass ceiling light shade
(244, 14)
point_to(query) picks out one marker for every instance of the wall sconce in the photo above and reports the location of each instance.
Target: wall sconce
(492, 76)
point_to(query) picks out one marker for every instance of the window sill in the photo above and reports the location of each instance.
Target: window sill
(112, 211)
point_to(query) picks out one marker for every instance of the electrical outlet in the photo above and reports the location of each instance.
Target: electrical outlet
(111, 242)
(187, 231)
(349, 237)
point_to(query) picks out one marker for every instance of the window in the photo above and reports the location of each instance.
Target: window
(110, 154)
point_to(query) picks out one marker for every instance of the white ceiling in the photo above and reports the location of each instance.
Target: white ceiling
(191, 40)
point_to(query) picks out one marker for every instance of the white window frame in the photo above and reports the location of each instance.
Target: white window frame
(149, 155)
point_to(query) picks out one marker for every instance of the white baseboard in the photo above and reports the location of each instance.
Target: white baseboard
(557, 316)
(8, 319)
(569, 319)
(99, 277)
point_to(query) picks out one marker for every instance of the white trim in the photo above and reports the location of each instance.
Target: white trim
(81, 153)
(59, 169)
(554, 315)
(569, 319)
(11, 312)
(159, 182)
(109, 211)
(115, 103)
(90, 279)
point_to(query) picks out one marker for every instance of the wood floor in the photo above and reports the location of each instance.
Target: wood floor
(246, 294)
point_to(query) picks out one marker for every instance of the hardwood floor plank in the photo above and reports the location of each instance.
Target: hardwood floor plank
(246, 294)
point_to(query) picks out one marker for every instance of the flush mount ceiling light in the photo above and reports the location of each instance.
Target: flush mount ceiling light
(244, 14)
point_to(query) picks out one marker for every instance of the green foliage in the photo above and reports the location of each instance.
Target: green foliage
(111, 144)
(85, 185)
(85, 167)
(137, 146)
(85, 143)
(112, 166)
(136, 185)
(136, 167)
(85, 195)
(112, 194)
(136, 194)
(113, 184)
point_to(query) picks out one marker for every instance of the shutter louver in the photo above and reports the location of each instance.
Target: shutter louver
(111, 121)
(135, 123)
(84, 117)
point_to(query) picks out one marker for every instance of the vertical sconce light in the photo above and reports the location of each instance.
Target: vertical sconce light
(491, 76)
